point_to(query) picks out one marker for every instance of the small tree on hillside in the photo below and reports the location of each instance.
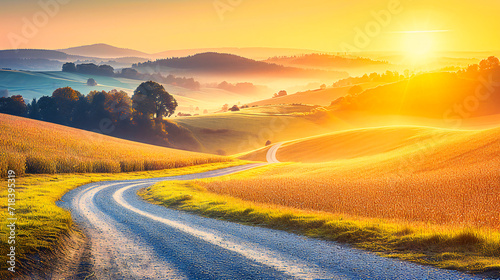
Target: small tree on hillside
(234, 108)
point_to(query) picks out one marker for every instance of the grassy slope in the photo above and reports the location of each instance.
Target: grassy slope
(315, 97)
(41, 224)
(249, 129)
(42, 147)
(425, 195)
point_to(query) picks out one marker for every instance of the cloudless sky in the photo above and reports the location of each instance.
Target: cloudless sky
(326, 25)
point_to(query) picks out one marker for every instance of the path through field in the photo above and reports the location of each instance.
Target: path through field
(132, 239)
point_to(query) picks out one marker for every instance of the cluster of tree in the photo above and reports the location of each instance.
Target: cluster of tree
(226, 108)
(280, 94)
(324, 60)
(491, 64)
(139, 118)
(130, 73)
(387, 77)
(89, 69)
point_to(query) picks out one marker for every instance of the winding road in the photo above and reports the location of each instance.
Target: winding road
(129, 238)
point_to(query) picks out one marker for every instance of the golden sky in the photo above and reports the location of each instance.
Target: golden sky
(326, 25)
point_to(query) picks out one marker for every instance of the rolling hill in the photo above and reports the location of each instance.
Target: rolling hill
(409, 174)
(432, 95)
(322, 97)
(213, 64)
(104, 51)
(39, 147)
(36, 84)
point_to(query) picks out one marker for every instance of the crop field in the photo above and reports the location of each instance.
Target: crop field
(421, 194)
(29, 146)
(425, 175)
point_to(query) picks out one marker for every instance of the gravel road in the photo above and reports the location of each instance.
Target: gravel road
(132, 239)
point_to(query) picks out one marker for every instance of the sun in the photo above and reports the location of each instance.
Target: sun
(418, 45)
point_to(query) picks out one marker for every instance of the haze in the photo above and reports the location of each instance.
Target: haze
(322, 25)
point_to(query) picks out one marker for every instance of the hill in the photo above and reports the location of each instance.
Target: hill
(322, 97)
(442, 94)
(325, 61)
(38, 147)
(103, 51)
(380, 177)
(252, 53)
(249, 129)
(36, 84)
(233, 65)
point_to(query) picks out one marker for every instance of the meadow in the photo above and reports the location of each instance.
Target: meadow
(29, 146)
(422, 194)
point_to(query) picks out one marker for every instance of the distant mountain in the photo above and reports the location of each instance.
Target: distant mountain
(232, 65)
(252, 53)
(104, 51)
(32, 54)
(325, 61)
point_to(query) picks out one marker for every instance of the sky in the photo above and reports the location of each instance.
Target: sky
(417, 26)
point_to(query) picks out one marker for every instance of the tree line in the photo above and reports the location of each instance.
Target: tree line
(129, 73)
(140, 118)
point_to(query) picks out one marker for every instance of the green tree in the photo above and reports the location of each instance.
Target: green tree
(152, 101)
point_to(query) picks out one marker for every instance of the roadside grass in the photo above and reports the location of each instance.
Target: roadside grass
(41, 224)
(450, 247)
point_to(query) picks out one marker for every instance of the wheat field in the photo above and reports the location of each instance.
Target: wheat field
(29, 146)
(410, 174)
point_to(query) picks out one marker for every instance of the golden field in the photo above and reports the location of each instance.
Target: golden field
(38, 147)
(417, 193)
(403, 173)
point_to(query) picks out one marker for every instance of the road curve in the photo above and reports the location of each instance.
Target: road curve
(271, 153)
(132, 239)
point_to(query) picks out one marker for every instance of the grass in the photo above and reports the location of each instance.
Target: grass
(35, 147)
(41, 224)
(421, 194)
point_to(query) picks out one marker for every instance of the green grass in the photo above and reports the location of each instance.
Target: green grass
(41, 224)
(470, 250)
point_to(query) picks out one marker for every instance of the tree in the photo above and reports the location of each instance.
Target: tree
(34, 110)
(65, 99)
(13, 105)
(91, 82)
(234, 108)
(151, 100)
(69, 67)
(280, 93)
(323, 86)
(489, 63)
(225, 107)
(48, 109)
